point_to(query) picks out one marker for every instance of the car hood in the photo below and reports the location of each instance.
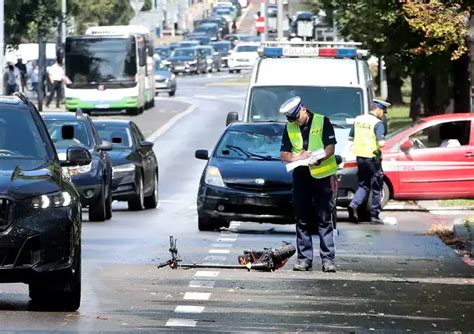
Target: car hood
(173, 59)
(244, 173)
(21, 184)
(245, 55)
(120, 156)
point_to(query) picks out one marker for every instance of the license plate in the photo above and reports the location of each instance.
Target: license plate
(258, 201)
(102, 106)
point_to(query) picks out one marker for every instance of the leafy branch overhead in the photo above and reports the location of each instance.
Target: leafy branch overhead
(442, 27)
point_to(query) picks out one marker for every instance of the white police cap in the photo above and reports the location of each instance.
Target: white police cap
(291, 108)
(381, 104)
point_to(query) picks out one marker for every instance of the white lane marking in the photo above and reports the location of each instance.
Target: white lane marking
(206, 274)
(219, 251)
(165, 127)
(390, 221)
(226, 239)
(202, 284)
(174, 322)
(215, 258)
(188, 309)
(222, 245)
(197, 296)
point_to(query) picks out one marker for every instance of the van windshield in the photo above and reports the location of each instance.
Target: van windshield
(340, 104)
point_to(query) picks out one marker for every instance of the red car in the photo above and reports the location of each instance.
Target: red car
(431, 159)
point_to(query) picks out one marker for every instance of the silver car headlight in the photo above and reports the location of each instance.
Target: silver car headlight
(124, 168)
(213, 177)
(56, 200)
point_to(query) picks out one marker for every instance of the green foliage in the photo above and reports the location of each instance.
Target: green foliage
(441, 26)
(146, 6)
(101, 12)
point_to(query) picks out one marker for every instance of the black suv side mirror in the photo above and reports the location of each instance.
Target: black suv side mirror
(146, 145)
(77, 156)
(201, 154)
(232, 117)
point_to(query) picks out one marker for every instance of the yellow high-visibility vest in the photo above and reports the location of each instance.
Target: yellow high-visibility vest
(365, 142)
(326, 167)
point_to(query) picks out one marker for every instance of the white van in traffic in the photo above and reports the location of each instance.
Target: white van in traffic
(332, 79)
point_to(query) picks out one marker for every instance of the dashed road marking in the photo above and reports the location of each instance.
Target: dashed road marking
(189, 309)
(202, 284)
(226, 239)
(219, 251)
(174, 322)
(197, 296)
(222, 245)
(206, 274)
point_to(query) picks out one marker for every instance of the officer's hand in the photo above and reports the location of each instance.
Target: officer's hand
(316, 163)
(303, 155)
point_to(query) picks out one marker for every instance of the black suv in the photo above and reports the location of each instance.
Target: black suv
(92, 181)
(40, 210)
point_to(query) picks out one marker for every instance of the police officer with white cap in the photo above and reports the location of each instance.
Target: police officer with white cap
(313, 200)
(368, 134)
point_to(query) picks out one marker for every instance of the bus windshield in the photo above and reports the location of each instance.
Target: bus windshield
(100, 60)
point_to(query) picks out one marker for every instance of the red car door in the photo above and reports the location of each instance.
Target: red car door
(440, 164)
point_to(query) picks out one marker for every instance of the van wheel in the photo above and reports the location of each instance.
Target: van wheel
(134, 111)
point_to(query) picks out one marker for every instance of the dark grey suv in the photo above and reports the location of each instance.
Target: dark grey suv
(40, 210)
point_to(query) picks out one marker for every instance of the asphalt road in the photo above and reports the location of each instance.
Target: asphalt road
(390, 278)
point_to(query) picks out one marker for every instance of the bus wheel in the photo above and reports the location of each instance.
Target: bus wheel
(134, 111)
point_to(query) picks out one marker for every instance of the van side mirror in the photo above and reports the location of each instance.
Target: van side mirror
(406, 145)
(232, 117)
(338, 159)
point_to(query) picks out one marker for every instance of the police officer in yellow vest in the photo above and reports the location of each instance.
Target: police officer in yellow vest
(313, 201)
(368, 134)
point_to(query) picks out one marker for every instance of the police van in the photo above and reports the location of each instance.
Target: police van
(332, 79)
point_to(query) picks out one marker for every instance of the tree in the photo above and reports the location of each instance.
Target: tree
(100, 12)
(424, 39)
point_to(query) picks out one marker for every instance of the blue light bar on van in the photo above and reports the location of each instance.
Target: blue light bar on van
(309, 52)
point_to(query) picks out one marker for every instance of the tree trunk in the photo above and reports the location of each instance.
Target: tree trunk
(416, 101)
(462, 84)
(394, 85)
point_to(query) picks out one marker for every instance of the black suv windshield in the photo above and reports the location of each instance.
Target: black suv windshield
(263, 145)
(21, 143)
(340, 104)
(81, 134)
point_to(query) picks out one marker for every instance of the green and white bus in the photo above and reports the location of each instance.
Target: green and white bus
(110, 68)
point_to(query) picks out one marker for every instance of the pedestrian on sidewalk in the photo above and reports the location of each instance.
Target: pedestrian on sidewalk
(10, 79)
(313, 200)
(22, 69)
(34, 77)
(56, 79)
(368, 136)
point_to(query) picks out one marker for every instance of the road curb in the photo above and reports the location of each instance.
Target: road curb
(165, 127)
(462, 232)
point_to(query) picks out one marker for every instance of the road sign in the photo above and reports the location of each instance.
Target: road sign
(260, 24)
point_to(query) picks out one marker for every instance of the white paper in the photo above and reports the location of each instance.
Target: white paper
(315, 156)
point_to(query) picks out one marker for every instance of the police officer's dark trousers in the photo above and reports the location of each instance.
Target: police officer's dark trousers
(370, 176)
(314, 204)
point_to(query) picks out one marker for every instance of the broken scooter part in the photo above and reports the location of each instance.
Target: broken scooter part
(269, 259)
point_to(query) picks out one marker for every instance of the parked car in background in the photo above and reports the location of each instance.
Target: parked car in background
(237, 38)
(223, 48)
(201, 37)
(210, 29)
(213, 58)
(165, 80)
(40, 209)
(242, 57)
(431, 159)
(187, 60)
(135, 167)
(163, 51)
(93, 181)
